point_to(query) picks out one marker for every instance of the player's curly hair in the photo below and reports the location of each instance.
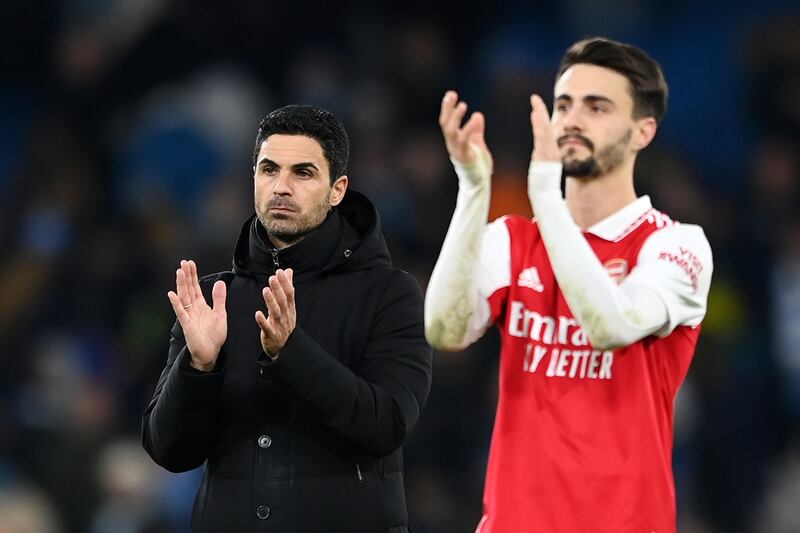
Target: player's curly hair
(313, 122)
(648, 85)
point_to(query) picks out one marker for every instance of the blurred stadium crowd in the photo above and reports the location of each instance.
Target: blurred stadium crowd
(125, 145)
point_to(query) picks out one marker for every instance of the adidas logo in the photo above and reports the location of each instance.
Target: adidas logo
(530, 278)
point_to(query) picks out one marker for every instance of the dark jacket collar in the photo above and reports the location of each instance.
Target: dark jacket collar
(349, 239)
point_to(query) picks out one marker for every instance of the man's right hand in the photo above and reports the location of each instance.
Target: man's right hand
(204, 328)
(465, 144)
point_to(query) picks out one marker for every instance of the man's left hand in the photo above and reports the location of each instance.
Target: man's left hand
(279, 297)
(544, 172)
(545, 147)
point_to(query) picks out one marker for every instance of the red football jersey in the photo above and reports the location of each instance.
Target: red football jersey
(582, 439)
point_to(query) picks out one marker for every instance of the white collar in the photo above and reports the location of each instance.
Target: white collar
(619, 224)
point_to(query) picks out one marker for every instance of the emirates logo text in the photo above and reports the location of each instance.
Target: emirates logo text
(565, 361)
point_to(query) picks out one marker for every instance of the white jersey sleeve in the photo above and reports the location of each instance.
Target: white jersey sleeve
(611, 315)
(676, 262)
(453, 307)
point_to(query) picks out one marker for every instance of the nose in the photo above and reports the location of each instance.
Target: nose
(282, 185)
(571, 121)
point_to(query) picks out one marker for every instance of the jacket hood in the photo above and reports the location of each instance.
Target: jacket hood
(349, 239)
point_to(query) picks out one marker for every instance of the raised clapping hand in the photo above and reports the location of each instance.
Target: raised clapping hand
(204, 328)
(545, 147)
(545, 156)
(465, 144)
(279, 297)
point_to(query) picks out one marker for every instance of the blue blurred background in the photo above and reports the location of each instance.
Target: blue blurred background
(126, 130)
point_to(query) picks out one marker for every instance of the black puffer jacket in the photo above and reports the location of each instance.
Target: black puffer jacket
(311, 442)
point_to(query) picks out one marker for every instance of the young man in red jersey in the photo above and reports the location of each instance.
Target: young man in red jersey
(598, 299)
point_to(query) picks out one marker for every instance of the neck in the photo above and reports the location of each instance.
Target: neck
(590, 200)
(272, 240)
(280, 244)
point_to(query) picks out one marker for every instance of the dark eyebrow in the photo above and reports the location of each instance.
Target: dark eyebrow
(305, 165)
(594, 99)
(295, 167)
(589, 99)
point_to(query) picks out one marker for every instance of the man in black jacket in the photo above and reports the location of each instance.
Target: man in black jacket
(297, 386)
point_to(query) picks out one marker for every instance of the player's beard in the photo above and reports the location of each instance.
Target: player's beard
(604, 161)
(291, 228)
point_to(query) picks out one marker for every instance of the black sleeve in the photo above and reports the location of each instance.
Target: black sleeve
(376, 405)
(178, 424)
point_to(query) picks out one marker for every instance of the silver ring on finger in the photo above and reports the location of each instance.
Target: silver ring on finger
(187, 306)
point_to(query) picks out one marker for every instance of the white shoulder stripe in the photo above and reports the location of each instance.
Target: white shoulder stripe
(495, 267)
(494, 273)
(652, 216)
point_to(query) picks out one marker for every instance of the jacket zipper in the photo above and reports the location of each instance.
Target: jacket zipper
(275, 262)
(359, 473)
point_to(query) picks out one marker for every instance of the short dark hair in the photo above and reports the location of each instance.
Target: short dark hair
(648, 85)
(319, 124)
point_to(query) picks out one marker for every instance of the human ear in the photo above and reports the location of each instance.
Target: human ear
(644, 132)
(338, 189)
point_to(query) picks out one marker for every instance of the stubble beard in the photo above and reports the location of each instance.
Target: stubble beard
(292, 228)
(603, 162)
